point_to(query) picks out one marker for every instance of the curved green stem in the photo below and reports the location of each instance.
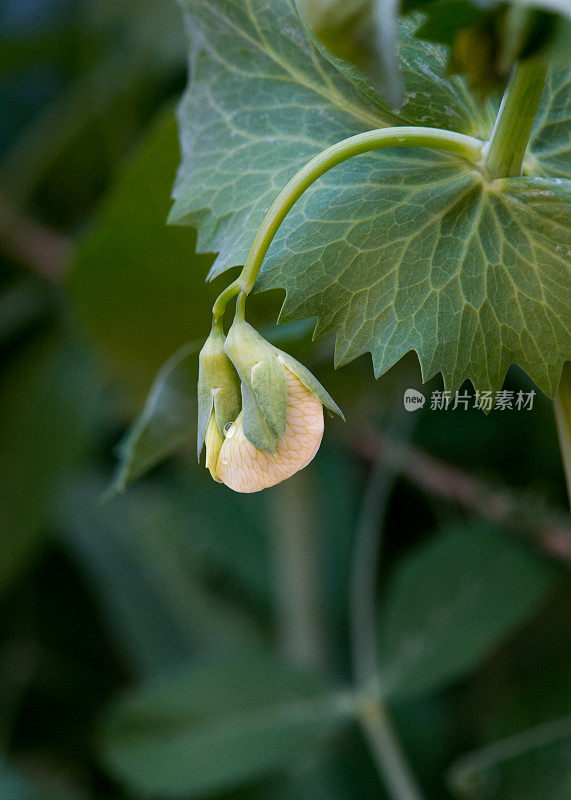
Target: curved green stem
(464, 146)
(224, 298)
(503, 155)
(241, 307)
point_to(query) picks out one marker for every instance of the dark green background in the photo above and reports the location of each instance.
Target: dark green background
(180, 573)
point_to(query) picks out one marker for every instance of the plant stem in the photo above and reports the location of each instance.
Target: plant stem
(503, 155)
(240, 314)
(371, 708)
(562, 404)
(464, 146)
(362, 591)
(519, 512)
(224, 298)
(388, 753)
(297, 574)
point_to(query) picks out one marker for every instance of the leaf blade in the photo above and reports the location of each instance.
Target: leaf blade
(418, 252)
(451, 602)
(217, 725)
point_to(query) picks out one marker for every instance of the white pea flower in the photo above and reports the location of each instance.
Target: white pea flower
(280, 427)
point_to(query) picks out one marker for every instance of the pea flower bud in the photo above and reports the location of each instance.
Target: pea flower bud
(280, 427)
(218, 395)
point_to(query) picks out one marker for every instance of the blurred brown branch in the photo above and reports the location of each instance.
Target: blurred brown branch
(33, 244)
(548, 528)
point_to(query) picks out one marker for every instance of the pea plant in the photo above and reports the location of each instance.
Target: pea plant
(404, 179)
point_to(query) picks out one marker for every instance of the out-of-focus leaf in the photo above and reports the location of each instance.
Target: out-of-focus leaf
(22, 305)
(127, 52)
(21, 52)
(145, 26)
(13, 785)
(167, 420)
(451, 602)
(362, 32)
(536, 775)
(231, 534)
(47, 398)
(330, 774)
(16, 785)
(137, 283)
(526, 735)
(486, 40)
(139, 553)
(336, 495)
(218, 724)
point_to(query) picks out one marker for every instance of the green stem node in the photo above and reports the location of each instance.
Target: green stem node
(377, 725)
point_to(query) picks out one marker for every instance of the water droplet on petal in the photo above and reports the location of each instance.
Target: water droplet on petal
(229, 429)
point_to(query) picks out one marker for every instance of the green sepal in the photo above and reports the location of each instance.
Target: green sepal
(256, 428)
(214, 441)
(205, 403)
(264, 374)
(218, 386)
(309, 381)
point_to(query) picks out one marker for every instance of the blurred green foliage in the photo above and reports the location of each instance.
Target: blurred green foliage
(147, 645)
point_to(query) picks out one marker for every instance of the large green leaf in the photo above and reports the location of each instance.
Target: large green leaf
(395, 252)
(262, 101)
(418, 252)
(451, 602)
(218, 724)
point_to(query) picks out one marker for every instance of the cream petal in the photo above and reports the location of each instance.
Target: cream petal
(244, 468)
